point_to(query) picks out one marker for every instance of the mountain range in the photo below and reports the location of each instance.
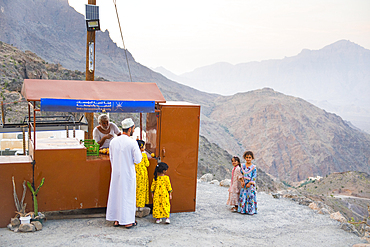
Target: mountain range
(292, 139)
(336, 78)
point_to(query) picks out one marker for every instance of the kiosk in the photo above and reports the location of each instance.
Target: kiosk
(74, 180)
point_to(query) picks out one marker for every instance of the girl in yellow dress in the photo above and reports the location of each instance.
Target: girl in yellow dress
(162, 193)
(142, 181)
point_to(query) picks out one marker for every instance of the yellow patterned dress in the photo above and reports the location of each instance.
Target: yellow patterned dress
(161, 200)
(142, 182)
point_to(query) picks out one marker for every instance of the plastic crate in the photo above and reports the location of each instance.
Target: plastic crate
(92, 147)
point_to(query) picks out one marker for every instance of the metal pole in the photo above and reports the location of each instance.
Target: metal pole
(24, 141)
(90, 76)
(34, 125)
(141, 126)
(29, 126)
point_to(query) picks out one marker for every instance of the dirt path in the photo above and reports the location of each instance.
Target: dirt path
(353, 197)
(280, 222)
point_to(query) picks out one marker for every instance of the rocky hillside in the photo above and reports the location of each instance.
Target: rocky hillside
(347, 192)
(291, 138)
(347, 184)
(15, 66)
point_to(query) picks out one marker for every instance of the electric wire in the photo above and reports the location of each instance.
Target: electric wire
(119, 24)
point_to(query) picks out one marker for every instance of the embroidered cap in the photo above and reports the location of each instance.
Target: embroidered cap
(127, 123)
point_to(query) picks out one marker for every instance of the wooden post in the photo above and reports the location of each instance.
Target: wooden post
(90, 76)
(2, 113)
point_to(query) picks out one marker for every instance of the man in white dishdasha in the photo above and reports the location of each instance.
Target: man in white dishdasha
(124, 153)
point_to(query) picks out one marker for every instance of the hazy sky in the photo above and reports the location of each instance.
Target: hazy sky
(184, 35)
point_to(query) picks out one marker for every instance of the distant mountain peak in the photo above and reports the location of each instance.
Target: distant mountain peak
(343, 45)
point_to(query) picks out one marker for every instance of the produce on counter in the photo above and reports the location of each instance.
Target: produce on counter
(104, 151)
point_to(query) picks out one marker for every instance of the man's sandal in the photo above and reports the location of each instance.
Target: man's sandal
(132, 225)
(116, 225)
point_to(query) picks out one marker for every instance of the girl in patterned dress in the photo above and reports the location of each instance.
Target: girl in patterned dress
(142, 181)
(162, 193)
(235, 185)
(247, 198)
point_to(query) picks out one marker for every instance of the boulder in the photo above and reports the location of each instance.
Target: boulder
(276, 195)
(27, 227)
(142, 212)
(290, 195)
(323, 211)
(10, 227)
(313, 206)
(338, 216)
(37, 225)
(206, 177)
(216, 182)
(15, 222)
(350, 228)
(304, 201)
(225, 183)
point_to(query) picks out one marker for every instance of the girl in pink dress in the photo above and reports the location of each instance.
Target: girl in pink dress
(235, 185)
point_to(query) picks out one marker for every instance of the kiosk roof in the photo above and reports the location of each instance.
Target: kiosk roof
(35, 89)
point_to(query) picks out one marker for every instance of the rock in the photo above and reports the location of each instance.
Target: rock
(304, 201)
(290, 195)
(350, 228)
(142, 212)
(27, 227)
(323, 211)
(225, 183)
(37, 225)
(313, 206)
(206, 177)
(276, 195)
(338, 216)
(216, 182)
(40, 216)
(15, 222)
(361, 245)
(11, 227)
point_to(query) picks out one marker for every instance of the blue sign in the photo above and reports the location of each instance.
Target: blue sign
(75, 105)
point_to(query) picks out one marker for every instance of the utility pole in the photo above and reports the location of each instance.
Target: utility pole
(90, 54)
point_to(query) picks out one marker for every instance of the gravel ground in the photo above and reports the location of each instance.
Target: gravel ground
(279, 222)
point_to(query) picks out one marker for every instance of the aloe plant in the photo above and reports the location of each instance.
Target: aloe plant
(34, 194)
